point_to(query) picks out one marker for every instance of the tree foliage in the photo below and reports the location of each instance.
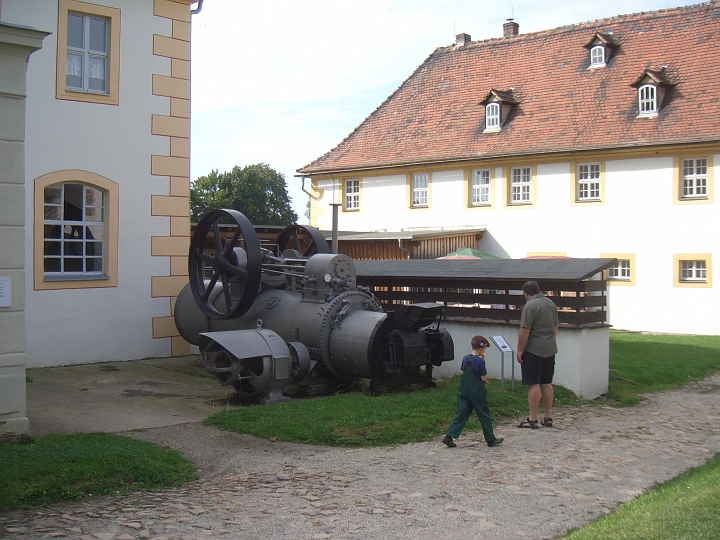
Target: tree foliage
(257, 191)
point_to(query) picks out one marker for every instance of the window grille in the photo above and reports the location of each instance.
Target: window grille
(492, 116)
(647, 96)
(621, 271)
(420, 189)
(694, 178)
(693, 271)
(87, 54)
(589, 181)
(352, 194)
(481, 187)
(521, 183)
(597, 55)
(73, 230)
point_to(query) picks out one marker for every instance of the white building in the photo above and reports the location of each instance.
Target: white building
(106, 181)
(600, 139)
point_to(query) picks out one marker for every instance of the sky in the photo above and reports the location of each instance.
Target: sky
(283, 82)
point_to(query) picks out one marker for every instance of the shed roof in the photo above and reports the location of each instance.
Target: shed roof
(415, 234)
(496, 269)
(435, 116)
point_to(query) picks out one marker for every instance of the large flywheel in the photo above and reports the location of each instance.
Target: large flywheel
(290, 238)
(232, 264)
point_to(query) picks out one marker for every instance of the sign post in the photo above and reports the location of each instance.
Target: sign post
(503, 347)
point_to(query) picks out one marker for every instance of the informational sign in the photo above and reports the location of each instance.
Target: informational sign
(503, 347)
(5, 291)
(501, 344)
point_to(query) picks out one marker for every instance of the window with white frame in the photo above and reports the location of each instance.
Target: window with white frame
(647, 99)
(693, 271)
(694, 178)
(481, 186)
(352, 194)
(492, 116)
(74, 231)
(597, 56)
(588, 182)
(520, 185)
(86, 63)
(420, 189)
(621, 271)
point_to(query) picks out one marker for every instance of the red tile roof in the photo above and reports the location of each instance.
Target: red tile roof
(435, 116)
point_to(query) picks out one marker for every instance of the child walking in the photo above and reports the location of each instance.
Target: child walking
(472, 395)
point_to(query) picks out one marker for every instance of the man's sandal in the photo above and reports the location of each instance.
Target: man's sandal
(527, 423)
(547, 422)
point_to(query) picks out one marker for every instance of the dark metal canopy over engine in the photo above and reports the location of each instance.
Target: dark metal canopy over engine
(266, 317)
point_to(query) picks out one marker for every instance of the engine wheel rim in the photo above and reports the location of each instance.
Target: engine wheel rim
(318, 244)
(224, 264)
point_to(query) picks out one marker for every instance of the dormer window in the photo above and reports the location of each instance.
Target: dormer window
(652, 86)
(601, 47)
(597, 56)
(492, 116)
(498, 105)
(647, 102)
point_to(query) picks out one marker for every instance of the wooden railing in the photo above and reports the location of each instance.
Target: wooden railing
(580, 304)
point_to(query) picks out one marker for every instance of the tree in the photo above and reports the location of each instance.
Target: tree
(257, 191)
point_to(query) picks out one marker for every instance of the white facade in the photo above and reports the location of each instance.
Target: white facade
(639, 216)
(137, 148)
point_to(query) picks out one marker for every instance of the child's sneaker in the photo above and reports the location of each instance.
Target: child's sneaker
(448, 441)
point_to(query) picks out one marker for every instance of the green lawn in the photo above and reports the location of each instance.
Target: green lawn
(43, 470)
(641, 363)
(359, 419)
(687, 507)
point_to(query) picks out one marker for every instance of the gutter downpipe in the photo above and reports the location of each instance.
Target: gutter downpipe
(335, 206)
(403, 249)
(306, 192)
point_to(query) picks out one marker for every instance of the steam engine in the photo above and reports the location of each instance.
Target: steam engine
(268, 317)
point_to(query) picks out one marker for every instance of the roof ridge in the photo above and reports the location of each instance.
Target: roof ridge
(663, 12)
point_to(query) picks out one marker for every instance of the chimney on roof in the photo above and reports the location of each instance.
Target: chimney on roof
(510, 28)
(462, 39)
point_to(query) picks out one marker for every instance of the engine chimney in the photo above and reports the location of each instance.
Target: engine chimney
(511, 28)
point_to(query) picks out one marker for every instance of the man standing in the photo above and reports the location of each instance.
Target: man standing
(536, 352)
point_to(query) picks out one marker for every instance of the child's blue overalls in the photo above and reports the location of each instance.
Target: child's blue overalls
(472, 395)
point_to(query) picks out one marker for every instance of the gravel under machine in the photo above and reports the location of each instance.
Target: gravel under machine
(291, 312)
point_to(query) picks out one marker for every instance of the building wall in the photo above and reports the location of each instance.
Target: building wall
(638, 215)
(140, 145)
(581, 364)
(16, 46)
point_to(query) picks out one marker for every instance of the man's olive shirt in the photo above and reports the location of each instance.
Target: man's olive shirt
(540, 317)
